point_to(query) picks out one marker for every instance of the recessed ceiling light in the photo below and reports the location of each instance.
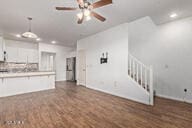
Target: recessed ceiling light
(53, 42)
(38, 39)
(18, 35)
(173, 15)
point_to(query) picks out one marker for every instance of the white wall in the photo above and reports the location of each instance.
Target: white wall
(169, 50)
(20, 44)
(60, 58)
(73, 53)
(113, 76)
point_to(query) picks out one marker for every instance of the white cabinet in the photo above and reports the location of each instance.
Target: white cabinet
(21, 52)
(32, 56)
(1, 49)
(35, 56)
(21, 55)
(12, 54)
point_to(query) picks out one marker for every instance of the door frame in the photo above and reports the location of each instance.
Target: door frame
(78, 67)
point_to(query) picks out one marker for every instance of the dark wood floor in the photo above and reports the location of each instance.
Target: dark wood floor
(70, 106)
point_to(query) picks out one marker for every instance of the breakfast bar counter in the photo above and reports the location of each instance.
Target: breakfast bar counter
(25, 74)
(25, 82)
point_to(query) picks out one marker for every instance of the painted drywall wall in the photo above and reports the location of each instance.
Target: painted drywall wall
(73, 53)
(20, 44)
(168, 48)
(111, 77)
(60, 58)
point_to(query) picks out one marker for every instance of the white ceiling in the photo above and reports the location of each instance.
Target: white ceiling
(50, 24)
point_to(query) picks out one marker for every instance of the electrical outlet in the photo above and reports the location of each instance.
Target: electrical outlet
(166, 66)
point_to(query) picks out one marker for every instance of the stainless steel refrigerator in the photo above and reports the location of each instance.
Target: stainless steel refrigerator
(70, 69)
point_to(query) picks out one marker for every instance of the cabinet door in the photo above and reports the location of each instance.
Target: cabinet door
(12, 54)
(1, 49)
(33, 56)
(22, 55)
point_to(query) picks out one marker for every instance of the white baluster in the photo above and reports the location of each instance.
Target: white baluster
(133, 69)
(130, 65)
(145, 78)
(137, 73)
(141, 75)
(151, 86)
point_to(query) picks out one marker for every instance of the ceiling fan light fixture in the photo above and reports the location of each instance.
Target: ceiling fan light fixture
(87, 12)
(88, 18)
(80, 15)
(86, 5)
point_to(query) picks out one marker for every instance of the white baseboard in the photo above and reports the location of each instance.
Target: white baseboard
(174, 98)
(78, 83)
(117, 95)
(60, 80)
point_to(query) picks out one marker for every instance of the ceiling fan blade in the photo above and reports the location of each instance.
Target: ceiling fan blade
(101, 3)
(80, 2)
(65, 8)
(99, 17)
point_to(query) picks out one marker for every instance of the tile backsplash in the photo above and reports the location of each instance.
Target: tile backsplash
(18, 67)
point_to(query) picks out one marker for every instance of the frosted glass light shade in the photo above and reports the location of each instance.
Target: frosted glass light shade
(29, 35)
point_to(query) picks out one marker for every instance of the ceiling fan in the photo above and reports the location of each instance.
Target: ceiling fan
(86, 8)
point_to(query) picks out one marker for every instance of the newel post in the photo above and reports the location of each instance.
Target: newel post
(151, 86)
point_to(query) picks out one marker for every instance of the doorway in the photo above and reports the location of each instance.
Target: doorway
(48, 61)
(71, 69)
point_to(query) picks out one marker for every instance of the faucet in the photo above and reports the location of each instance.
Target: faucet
(26, 68)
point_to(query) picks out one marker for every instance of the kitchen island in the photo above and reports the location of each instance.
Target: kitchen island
(25, 82)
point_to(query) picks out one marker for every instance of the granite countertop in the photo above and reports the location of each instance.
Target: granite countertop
(26, 74)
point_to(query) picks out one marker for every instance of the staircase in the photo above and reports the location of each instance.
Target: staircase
(142, 75)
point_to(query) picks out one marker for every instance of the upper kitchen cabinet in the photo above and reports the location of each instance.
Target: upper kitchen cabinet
(32, 56)
(1, 48)
(12, 54)
(22, 55)
(21, 52)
